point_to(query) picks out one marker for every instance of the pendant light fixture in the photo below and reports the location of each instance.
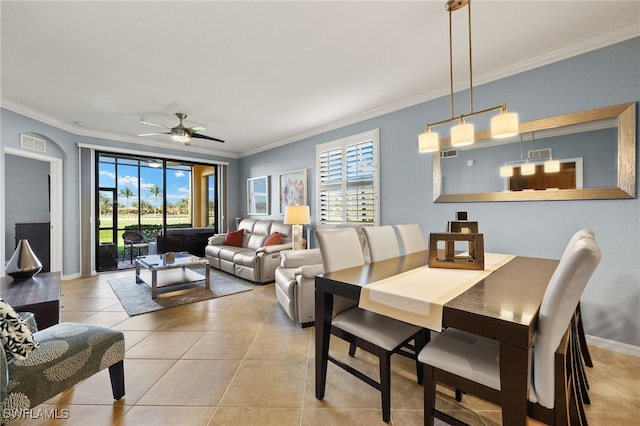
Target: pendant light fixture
(503, 125)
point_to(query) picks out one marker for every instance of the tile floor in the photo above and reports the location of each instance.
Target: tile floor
(238, 360)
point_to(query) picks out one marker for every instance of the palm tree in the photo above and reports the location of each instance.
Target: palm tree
(105, 204)
(155, 192)
(126, 193)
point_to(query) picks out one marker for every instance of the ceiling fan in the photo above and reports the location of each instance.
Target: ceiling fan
(180, 133)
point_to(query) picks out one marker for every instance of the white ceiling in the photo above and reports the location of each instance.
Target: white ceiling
(260, 74)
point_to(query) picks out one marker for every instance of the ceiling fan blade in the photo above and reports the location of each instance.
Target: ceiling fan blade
(198, 128)
(197, 135)
(153, 134)
(146, 123)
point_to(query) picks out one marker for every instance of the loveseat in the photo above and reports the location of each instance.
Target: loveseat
(244, 253)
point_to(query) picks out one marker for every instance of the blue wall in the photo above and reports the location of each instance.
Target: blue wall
(608, 76)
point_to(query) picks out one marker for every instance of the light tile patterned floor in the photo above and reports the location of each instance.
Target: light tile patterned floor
(238, 360)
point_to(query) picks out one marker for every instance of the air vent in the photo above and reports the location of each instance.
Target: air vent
(539, 153)
(449, 153)
(30, 142)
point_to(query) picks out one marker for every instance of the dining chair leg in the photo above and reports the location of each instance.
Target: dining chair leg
(429, 385)
(385, 385)
(352, 350)
(420, 341)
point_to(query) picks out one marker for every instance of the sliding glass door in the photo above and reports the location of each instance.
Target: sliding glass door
(147, 196)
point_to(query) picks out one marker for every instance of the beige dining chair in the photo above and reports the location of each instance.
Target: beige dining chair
(377, 334)
(411, 238)
(382, 242)
(579, 340)
(471, 362)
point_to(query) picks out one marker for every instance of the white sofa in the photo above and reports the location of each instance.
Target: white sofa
(295, 284)
(253, 261)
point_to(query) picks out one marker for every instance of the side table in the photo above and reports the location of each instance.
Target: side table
(39, 294)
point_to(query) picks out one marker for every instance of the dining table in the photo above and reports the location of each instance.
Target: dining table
(503, 306)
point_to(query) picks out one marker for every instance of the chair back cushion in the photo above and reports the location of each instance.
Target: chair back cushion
(558, 306)
(582, 233)
(340, 249)
(411, 238)
(382, 242)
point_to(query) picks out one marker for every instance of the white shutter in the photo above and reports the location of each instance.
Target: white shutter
(348, 180)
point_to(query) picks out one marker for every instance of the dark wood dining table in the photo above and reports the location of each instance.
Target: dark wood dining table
(503, 306)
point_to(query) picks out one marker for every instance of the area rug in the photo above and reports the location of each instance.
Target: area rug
(136, 297)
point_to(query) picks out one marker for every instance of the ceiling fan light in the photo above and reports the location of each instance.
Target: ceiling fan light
(180, 135)
(462, 134)
(504, 125)
(428, 141)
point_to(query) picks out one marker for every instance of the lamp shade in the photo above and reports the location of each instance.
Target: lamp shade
(504, 125)
(297, 215)
(462, 134)
(428, 141)
(552, 166)
(506, 171)
(528, 169)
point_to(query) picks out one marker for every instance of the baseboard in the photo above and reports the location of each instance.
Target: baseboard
(612, 345)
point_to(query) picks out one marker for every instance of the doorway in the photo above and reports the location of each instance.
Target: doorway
(48, 210)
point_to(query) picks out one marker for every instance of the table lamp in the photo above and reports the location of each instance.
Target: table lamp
(296, 216)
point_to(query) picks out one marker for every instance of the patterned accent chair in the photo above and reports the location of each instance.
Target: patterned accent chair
(66, 354)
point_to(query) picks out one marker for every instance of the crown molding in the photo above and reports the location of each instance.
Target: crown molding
(77, 131)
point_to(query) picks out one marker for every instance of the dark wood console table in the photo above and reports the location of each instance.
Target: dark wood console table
(40, 295)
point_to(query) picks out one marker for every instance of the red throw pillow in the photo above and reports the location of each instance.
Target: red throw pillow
(234, 238)
(273, 239)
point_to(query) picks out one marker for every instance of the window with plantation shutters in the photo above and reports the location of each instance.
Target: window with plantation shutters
(348, 180)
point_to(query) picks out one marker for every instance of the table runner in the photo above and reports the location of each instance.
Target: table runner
(417, 296)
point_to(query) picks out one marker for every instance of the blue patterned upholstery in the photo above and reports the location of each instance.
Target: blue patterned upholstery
(67, 353)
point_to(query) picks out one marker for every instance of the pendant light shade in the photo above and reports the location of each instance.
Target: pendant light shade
(506, 171)
(504, 125)
(552, 166)
(428, 141)
(528, 169)
(463, 134)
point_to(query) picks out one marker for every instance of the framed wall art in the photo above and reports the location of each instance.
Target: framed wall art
(292, 188)
(258, 196)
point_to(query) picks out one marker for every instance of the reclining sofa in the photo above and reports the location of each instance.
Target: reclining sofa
(251, 259)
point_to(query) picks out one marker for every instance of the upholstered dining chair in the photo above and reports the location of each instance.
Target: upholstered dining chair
(471, 362)
(411, 238)
(578, 340)
(377, 334)
(382, 242)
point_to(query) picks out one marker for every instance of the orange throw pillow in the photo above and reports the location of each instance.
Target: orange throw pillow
(234, 238)
(273, 239)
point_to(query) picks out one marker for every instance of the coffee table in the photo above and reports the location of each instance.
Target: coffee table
(158, 262)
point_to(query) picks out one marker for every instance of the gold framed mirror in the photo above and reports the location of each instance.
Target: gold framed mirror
(623, 181)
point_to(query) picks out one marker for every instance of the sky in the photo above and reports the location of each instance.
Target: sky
(178, 181)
